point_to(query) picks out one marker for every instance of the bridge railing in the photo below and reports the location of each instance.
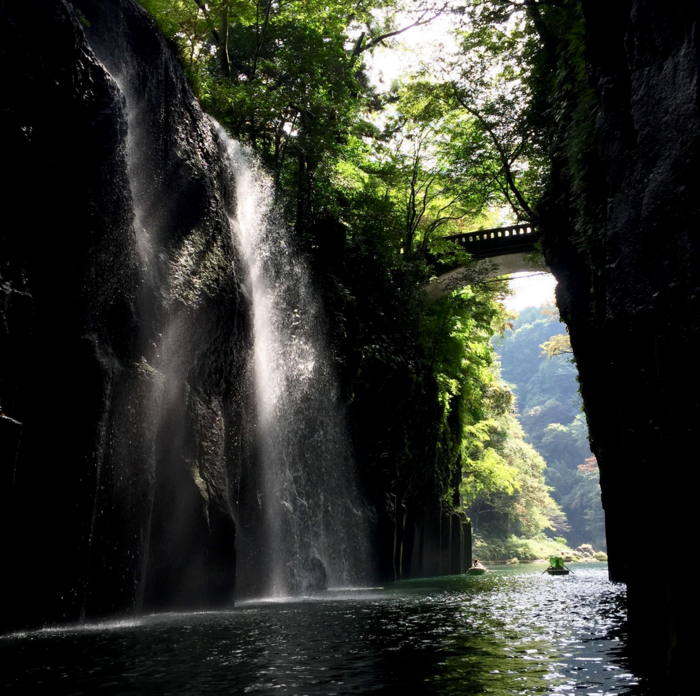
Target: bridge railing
(498, 240)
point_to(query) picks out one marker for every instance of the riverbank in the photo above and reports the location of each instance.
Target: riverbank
(515, 550)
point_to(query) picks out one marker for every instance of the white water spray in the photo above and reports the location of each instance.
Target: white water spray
(315, 525)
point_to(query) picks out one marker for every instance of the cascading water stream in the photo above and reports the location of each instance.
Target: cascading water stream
(149, 391)
(315, 528)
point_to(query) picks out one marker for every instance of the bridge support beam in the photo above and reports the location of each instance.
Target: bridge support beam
(494, 267)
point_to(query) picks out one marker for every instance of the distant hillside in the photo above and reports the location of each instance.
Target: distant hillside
(549, 409)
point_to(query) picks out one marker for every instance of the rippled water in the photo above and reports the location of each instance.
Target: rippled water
(513, 631)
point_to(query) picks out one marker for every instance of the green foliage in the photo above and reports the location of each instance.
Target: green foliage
(288, 79)
(539, 548)
(584, 497)
(504, 490)
(559, 344)
(279, 76)
(455, 335)
(82, 18)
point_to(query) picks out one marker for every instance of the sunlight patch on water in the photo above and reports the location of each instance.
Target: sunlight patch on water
(96, 627)
(332, 594)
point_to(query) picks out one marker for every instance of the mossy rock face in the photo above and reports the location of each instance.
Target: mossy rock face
(601, 556)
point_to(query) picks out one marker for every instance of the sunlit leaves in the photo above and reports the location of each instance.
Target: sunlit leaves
(560, 344)
(503, 488)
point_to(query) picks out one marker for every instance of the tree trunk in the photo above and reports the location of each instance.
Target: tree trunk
(223, 45)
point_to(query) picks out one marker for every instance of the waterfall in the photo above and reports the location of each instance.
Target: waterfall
(314, 525)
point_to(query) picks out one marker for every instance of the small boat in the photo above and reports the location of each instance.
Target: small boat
(556, 566)
(477, 568)
(476, 571)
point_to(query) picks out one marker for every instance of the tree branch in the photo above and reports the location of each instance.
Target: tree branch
(360, 48)
(501, 153)
(210, 24)
(261, 37)
(223, 47)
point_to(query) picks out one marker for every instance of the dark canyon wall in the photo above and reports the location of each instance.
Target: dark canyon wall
(122, 326)
(626, 254)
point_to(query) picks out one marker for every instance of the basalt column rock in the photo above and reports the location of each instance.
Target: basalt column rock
(435, 541)
(629, 291)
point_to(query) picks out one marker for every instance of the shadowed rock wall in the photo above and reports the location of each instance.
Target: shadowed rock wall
(629, 291)
(121, 359)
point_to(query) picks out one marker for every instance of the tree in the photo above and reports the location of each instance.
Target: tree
(504, 490)
(560, 344)
(584, 497)
(279, 76)
(489, 79)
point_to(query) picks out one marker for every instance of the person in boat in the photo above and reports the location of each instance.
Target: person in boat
(478, 564)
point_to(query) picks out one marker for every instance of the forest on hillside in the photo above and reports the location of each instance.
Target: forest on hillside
(371, 180)
(550, 411)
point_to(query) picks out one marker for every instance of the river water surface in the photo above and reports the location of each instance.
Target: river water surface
(513, 631)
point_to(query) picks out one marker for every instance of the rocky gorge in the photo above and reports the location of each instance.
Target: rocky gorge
(128, 456)
(122, 350)
(620, 230)
(133, 423)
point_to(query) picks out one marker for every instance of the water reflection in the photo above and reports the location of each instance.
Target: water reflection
(511, 632)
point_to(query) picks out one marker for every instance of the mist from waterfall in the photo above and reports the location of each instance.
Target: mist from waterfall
(126, 476)
(150, 396)
(315, 524)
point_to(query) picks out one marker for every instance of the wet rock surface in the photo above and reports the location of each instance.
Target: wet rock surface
(629, 290)
(121, 360)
